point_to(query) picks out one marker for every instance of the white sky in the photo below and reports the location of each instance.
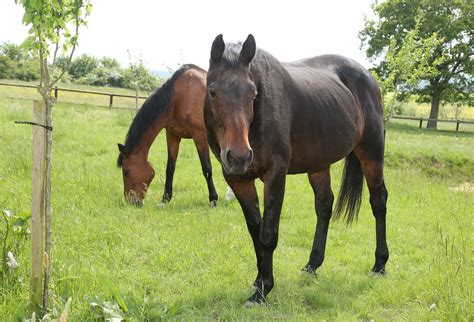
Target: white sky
(168, 33)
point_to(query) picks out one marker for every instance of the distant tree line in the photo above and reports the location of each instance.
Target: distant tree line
(15, 63)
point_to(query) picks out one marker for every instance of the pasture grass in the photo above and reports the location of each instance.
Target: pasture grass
(188, 261)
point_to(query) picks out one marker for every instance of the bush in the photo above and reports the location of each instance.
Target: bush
(138, 76)
(85, 69)
(103, 76)
(108, 62)
(82, 65)
(13, 51)
(26, 70)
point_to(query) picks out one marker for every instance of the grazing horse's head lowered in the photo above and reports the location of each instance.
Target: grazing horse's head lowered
(137, 176)
(230, 97)
(177, 107)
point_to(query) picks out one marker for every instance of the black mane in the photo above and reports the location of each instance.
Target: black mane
(153, 108)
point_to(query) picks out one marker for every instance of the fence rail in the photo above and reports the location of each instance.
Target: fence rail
(112, 95)
(58, 89)
(422, 119)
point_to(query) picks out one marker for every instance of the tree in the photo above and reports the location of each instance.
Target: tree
(82, 65)
(49, 22)
(137, 76)
(12, 51)
(109, 62)
(16, 64)
(423, 48)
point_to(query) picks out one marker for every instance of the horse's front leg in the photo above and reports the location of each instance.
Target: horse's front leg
(246, 194)
(203, 150)
(173, 148)
(274, 190)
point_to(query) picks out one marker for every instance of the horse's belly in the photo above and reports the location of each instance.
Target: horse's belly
(314, 160)
(180, 132)
(312, 152)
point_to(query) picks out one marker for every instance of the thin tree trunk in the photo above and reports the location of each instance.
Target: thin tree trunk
(434, 112)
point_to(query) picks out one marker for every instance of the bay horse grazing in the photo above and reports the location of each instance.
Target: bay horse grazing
(176, 106)
(266, 119)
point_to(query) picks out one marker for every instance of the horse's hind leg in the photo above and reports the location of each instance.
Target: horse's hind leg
(203, 150)
(373, 171)
(324, 198)
(172, 142)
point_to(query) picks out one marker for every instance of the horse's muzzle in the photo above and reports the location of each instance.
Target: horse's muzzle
(236, 164)
(133, 199)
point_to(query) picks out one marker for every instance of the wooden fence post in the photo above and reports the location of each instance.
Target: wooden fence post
(136, 98)
(37, 213)
(457, 126)
(111, 100)
(421, 122)
(55, 92)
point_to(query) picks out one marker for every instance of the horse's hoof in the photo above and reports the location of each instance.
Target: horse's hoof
(213, 203)
(309, 269)
(250, 304)
(379, 271)
(257, 298)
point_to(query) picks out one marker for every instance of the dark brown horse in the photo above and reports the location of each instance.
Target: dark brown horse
(176, 106)
(266, 119)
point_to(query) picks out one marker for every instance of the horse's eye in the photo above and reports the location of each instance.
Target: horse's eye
(125, 172)
(212, 93)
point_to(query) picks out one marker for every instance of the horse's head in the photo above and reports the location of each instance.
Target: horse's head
(137, 176)
(231, 92)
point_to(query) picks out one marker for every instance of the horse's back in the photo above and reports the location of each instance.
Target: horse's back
(356, 79)
(365, 91)
(187, 119)
(326, 120)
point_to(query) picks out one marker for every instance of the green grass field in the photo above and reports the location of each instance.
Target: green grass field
(188, 261)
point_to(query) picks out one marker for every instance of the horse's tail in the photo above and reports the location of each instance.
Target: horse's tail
(350, 193)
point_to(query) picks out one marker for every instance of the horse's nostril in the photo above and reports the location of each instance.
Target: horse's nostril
(249, 157)
(230, 158)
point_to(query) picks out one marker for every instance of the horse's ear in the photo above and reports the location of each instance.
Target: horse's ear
(217, 49)
(122, 149)
(248, 50)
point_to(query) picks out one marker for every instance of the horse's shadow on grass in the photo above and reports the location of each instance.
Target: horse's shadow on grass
(334, 291)
(304, 292)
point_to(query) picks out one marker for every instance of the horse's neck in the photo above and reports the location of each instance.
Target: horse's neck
(149, 137)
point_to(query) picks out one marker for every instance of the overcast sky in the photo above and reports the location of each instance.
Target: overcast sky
(168, 33)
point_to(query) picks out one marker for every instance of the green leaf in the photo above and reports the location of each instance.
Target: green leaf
(27, 18)
(121, 303)
(88, 8)
(35, 4)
